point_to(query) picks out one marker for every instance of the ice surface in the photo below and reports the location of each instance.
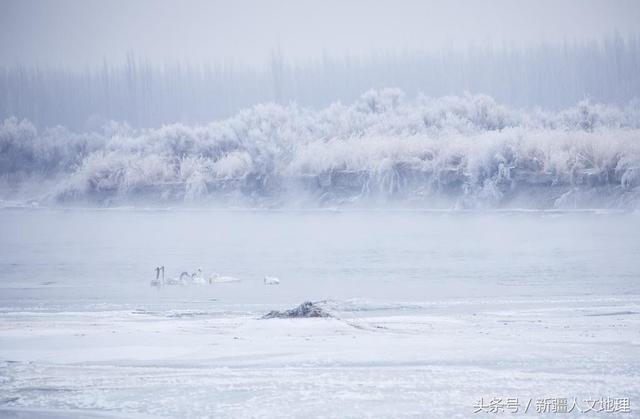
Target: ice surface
(416, 364)
(430, 311)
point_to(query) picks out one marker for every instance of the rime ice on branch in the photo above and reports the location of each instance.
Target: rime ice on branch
(467, 152)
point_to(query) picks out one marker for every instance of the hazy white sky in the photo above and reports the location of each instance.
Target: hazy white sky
(75, 33)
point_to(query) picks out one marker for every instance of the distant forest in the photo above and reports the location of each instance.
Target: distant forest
(145, 94)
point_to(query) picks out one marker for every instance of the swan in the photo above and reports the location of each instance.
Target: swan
(271, 280)
(197, 278)
(222, 279)
(181, 280)
(157, 282)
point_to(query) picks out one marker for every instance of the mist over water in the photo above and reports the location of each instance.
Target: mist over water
(86, 259)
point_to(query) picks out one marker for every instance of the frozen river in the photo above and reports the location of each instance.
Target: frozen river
(432, 311)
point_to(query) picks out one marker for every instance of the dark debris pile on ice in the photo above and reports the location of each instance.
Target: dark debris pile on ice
(304, 310)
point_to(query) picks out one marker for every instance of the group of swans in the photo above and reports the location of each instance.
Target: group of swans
(197, 278)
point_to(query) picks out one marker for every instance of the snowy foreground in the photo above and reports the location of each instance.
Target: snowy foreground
(432, 359)
(429, 312)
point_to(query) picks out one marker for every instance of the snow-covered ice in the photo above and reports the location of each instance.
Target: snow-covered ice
(410, 363)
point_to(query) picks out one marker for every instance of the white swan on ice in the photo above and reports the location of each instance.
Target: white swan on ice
(158, 282)
(183, 279)
(271, 280)
(197, 278)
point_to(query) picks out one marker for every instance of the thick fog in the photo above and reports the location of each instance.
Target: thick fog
(144, 94)
(72, 33)
(146, 63)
